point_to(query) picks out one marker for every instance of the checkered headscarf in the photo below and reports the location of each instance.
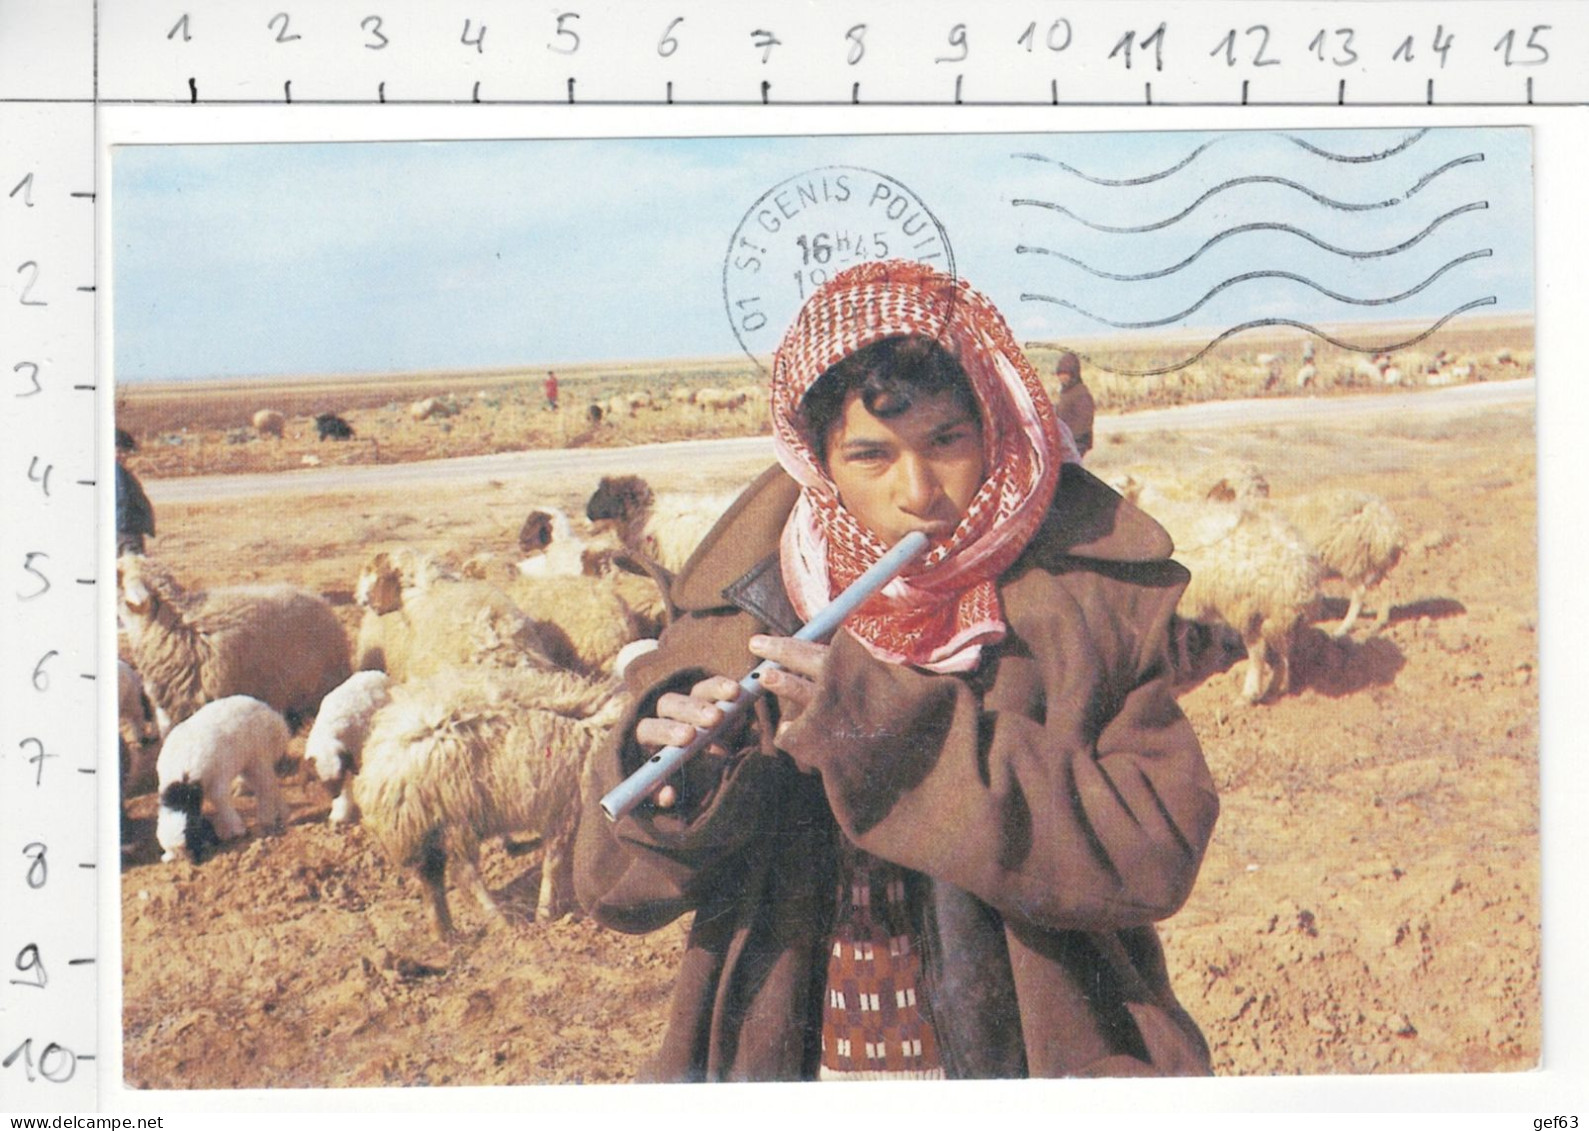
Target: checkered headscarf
(941, 614)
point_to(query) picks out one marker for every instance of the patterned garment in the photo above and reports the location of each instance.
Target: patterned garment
(940, 615)
(874, 1026)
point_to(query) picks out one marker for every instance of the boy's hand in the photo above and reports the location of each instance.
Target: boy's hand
(676, 719)
(796, 684)
(678, 715)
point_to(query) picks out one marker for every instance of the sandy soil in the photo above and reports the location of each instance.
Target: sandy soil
(1370, 903)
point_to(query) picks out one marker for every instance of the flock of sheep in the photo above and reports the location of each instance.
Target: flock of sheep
(1258, 563)
(468, 703)
(465, 708)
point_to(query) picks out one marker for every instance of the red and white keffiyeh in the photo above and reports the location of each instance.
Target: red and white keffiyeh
(941, 614)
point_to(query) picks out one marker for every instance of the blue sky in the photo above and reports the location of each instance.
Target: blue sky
(343, 257)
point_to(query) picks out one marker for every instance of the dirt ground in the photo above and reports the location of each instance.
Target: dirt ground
(1370, 902)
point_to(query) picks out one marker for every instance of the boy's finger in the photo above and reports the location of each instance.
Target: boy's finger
(663, 732)
(716, 687)
(802, 656)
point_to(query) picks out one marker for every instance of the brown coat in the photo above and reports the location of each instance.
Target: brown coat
(1052, 806)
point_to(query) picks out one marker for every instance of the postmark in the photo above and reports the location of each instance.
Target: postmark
(809, 227)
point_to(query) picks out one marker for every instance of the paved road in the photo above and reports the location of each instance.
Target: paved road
(550, 467)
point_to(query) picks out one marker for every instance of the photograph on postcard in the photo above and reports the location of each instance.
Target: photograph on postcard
(1183, 718)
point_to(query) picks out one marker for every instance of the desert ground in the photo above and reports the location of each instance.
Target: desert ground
(1369, 904)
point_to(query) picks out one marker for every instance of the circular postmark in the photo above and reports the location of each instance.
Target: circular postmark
(808, 228)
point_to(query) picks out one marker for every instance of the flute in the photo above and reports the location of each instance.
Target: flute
(665, 762)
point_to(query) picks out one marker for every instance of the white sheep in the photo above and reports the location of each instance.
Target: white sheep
(664, 528)
(423, 409)
(409, 632)
(237, 736)
(269, 422)
(336, 740)
(1307, 375)
(277, 643)
(468, 755)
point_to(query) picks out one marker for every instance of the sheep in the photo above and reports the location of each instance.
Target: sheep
(583, 621)
(1250, 570)
(720, 400)
(466, 755)
(425, 409)
(329, 425)
(269, 422)
(135, 719)
(1357, 539)
(665, 529)
(410, 632)
(202, 756)
(1355, 535)
(552, 548)
(682, 395)
(275, 642)
(1306, 375)
(337, 738)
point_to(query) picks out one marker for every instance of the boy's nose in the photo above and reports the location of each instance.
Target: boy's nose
(919, 487)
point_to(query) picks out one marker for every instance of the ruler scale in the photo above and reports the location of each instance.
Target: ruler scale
(49, 770)
(63, 60)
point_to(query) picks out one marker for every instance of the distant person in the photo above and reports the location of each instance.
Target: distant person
(1075, 402)
(551, 390)
(134, 514)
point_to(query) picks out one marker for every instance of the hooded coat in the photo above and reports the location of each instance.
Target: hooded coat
(1049, 807)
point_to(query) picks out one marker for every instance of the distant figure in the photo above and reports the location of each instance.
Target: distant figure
(134, 515)
(551, 390)
(1075, 402)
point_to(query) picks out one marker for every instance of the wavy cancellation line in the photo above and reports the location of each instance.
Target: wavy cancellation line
(1399, 147)
(1242, 229)
(1258, 179)
(1351, 159)
(1248, 277)
(1260, 323)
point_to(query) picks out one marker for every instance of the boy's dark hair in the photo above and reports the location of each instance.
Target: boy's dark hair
(889, 375)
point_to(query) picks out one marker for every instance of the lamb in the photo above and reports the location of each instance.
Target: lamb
(277, 643)
(269, 422)
(337, 738)
(202, 756)
(665, 529)
(467, 755)
(1250, 570)
(414, 631)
